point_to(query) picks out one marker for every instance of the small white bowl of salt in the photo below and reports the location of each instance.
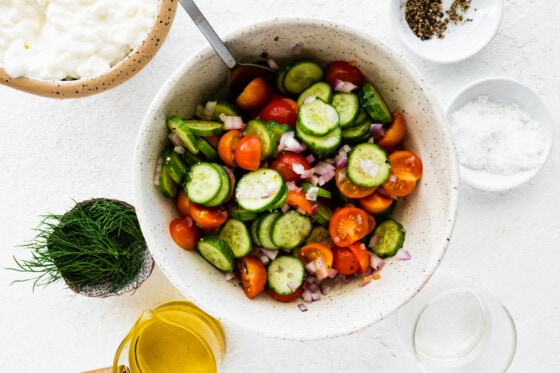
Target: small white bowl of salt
(502, 131)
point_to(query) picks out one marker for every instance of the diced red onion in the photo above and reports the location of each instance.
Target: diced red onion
(313, 210)
(302, 307)
(403, 254)
(315, 296)
(179, 149)
(175, 139)
(264, 259)
(310, 158)
(189, 221)
(288, 142)
(343, 86)
(323, 167)
(341, 159)
(301, 211)
(369, 167)
(232, 122)
(309, 99)
(333, 273)
(229, 276)
(157, 171)
(376, 262)
(307, 296)
(311, 267)
(208, 110)
(271, 254)
(199, 110)
(312, 194)
(311, 286)
(291, 286)
(321, 271)
(324, 289)
(285, 207)
(377, 130)
(374, 240)
(292, 186)
(272, 64)
(298, 47)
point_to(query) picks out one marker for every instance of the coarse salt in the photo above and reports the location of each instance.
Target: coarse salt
(499, 138)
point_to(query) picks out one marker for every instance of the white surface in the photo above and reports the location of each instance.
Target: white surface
(56, 151)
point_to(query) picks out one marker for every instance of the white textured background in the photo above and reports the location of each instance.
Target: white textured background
(55, 151)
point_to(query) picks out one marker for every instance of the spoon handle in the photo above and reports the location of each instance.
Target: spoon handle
(202, 23)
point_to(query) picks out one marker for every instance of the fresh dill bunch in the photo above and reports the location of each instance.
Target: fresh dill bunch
(96, 245)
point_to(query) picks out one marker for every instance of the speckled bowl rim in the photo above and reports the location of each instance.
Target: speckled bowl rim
(343, 311)
(511, 91)
(135, 61)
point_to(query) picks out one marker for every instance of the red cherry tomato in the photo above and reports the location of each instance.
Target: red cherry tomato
(286, 298)
(182, 203)
(360, 252)
(252, 274)
(285, 162)
(279, 111)
(247, 153)
(207, 217)
(345, 71)
(184, 233)
(344, 262)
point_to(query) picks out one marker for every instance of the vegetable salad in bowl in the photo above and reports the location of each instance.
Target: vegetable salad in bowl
(305, 207)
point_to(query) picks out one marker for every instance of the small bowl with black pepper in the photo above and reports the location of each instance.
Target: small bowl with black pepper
(502, 132)
(446, 31)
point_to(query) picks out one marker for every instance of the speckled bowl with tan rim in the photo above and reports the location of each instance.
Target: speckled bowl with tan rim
(428, 214)
(118, 74)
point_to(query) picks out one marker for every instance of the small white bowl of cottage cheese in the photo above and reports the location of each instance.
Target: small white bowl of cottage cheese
(502, 131)
(76, 48)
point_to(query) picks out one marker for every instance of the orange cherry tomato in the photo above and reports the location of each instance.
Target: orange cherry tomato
(398, 187)
(371, 223)
(285, 163)
(296, 199)
(254, 96)
(315, 250)
(247, 153)
(226, 146)
(279, 111)
(184, 233)
(376, 202)
(360, 252)
(286, 298)
(344, 262)
(393, 133)
(252, 274)
(348, 224)
(345, 71)
(182, 203)
(348, 188)
(207, 217)
(406, 165)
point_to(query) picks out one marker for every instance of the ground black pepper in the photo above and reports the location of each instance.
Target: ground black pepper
(427, 18)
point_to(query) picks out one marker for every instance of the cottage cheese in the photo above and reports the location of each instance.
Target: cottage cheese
(70, 39)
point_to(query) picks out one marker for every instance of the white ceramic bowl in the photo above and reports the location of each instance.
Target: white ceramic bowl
(135, 61)
(461, 40)
(504, 91)
(428, 214)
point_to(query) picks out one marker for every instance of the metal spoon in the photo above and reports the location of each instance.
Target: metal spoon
(240, 74)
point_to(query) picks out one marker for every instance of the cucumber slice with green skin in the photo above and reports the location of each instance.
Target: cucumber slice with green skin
(237, 236)
(225, 107)
(323, 214)
(225, 188)
(322, 90)
(239, 213)
(166, 185)
(204, 127)
(374, 104)
(260, 129)
(348, 107)
(368, 165)
(179, 128)
(300, 75)
(278, 129)
(191, 159)
(321, 192)
(253, 229)
(265, 228)
(259, 190)
(322, 146)
(355, 134)
(285, 274)
(282, 197)
(204, 182)
(318, 234)
(290, 230)
(280, 79)
(317, 118)
(206, 149)
(388, 237)
(175, 165)
(216, 252)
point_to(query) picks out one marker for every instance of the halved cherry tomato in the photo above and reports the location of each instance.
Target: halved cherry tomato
(213, 140)
(247, 153)
(360, 252)
(345, 71)
(285, 164)
(253, 96)
(252, 274)
(398, 187)
(393, 133)
(406, 165)
(315, 250)
(207, 217)
(376, 202)
(279, 111)
(344, 262)
(348, 224)
(184, 233)
(296, 199)
(182, 203)
(286, 298)
(371, 223)
(348, 188)
(226, 146)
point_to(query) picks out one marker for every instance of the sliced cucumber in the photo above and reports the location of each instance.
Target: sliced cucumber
(355, 134)
(259, 190)
(206, 149)
(175, 165)
(179, 128)
(300, 75)
(278, 129)
(322, 146)
(368, 165)
(166, 185)
(225, 188)
(282, 197)
(204, 182)
(348, 107)
(374, 104)
(317, 118)
(319, 234)
(237, 236)
(388, 237)
(285, 274)
(253, 229)
(290, 230)
(264, 230)
(322, 90)
(216, 252)
(225, 107)
(260, 129)
(204, 127)
(323, 214)
(280, 79)
(239, 213)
